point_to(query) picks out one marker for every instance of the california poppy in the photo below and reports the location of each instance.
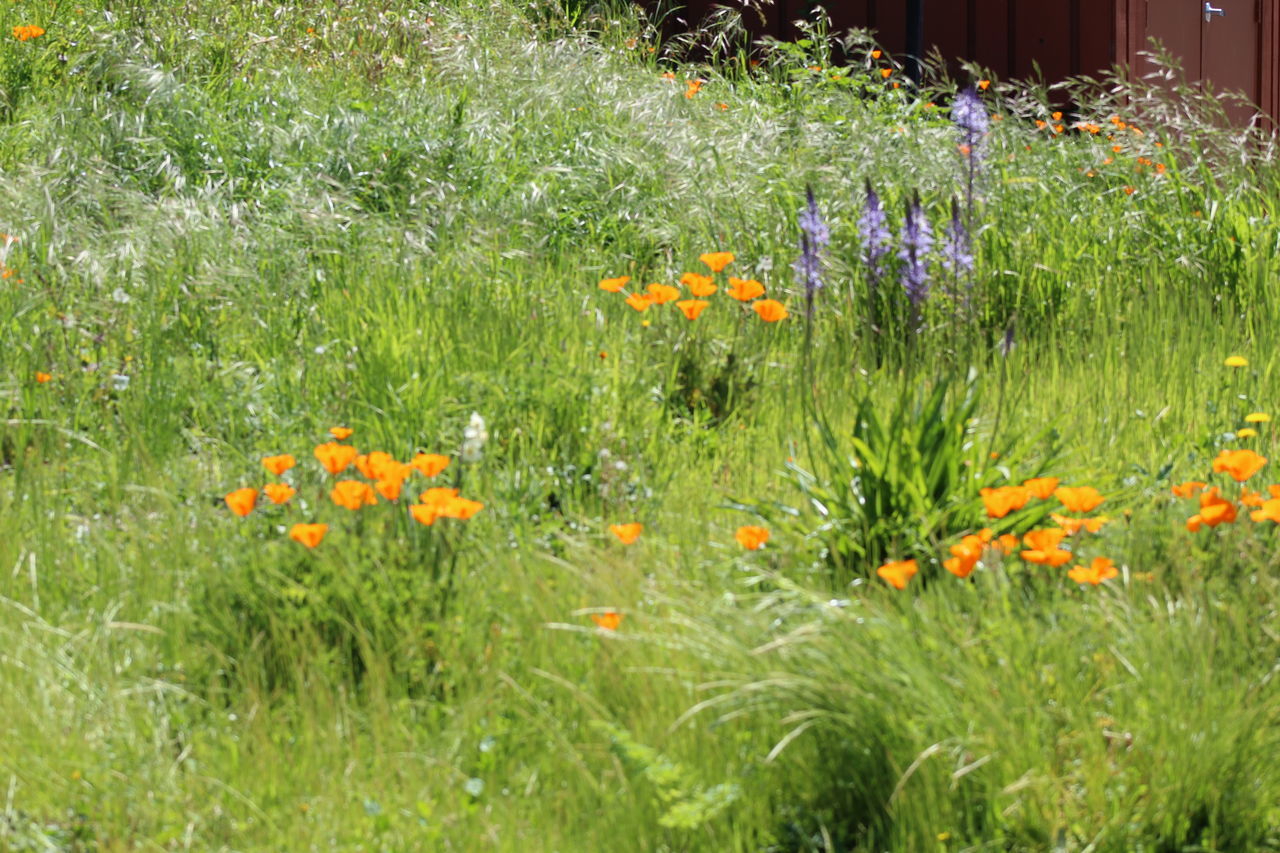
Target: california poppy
(965, 556)
(692, 87)
(352, 494)
(613, 285)
(27, 31)
(1044, 539)
(744, 289)
(279, 493)
(609, 620)
(661, 294)
(627, 533)
(1049, 557)
(1269, 511)
(241, 501)
(460, 508)
(1079, 498)
(429, 464)
(639, 301)
(309, 535)
(885, 73)
(1188, 489)
(340, 432)
(1215, 509)
(898, 573)
(691, 308)
(1251, 499)
(876, 54)
(1007, 543)
(1075, 525)
(279, 464)
(752, 538)
(699, 285)
(983, 84)
(1099, 570)
(371, 465)
(717, 261)
(1240, 464)
(42, 378)
(770, 310)
(1003, 500)
(1041, 487)
(389, 488)
(335, 457)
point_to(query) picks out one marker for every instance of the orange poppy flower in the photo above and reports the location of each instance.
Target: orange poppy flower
(279, 493)
(1041, 487)
(335, 457)
(691, 308)
(965, 556)
(1050, 557)
(1044, 539)
(717, 261)
(279, 464)
(429, 464)
(609, 621)
(1130, 190)
(668, 75)
(1007, 543)
(1075, 525)
(1005, 499)
(885, 73)
(371, 465)
(389, 488)
(1079, 498)
(613, 285)
(27, 31)
(752, 538)
(983, 84)
(1251, 499)
(42, 378)
(770, 310)
(876, 54)
(661, 294)
(744, 289)
(341, 433)
(692, 87)
(1240, 464)
(1215, 509)
(1269, 511)
(438, 496)
(699, 285)
(460, 508)
(1194, 523)
(639, 301)
(627, 533)
(1099, 570)
(309, 535)
(352, 494)
(241, 501)
(425, 513)
(1188, 489)
(898, 573)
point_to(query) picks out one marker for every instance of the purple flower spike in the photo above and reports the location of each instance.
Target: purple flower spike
(970, 116)
(815, 236)
(917, 241)
(957, 255)
(875, 237)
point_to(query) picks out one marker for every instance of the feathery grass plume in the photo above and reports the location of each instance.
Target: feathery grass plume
(917, 242)
(815, 236)
(875, 238)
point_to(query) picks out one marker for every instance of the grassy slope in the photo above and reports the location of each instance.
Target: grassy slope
(399, 219)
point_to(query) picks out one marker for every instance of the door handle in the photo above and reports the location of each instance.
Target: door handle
(1210, 10)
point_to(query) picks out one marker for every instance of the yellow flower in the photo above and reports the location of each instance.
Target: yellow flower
(1257, 418)
(1236, 361)
(1247, 432)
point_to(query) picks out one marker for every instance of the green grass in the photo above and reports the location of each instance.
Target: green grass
(234, 232)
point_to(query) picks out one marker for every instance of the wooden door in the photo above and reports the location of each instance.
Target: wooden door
(1224, 50)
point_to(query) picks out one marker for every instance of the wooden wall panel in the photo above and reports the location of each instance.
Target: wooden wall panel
(1097, 49)
(1041, 36)
(989, 36)
(947, 28)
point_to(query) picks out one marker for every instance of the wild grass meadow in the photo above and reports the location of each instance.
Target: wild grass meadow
(489, 425)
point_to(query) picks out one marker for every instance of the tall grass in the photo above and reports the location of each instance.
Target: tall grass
(240, 225)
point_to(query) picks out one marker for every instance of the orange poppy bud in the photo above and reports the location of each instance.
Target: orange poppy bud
(242, 501)
(608, 621)
(752, 538)
(309, 535)
(770, 310)
(897, 574)
(279, 493)
(627, 533)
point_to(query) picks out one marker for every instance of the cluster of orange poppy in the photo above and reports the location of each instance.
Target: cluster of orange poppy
(1215, 508)
(25, 32)
(383, 475)
(743, 290)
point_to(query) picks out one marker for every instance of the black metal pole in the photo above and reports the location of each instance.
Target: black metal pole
(915, 38)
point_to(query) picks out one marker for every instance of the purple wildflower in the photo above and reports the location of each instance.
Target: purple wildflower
(917, 241)
(957, 255)
(814, 238)
(875, 237)
(970, 116)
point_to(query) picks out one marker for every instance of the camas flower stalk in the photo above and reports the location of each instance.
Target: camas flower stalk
(917, 242)
(875, 238)
(815, 236)
(957, 254)
(969, 115)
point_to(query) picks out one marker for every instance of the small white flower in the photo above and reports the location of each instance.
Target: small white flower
(121, 296)
(119, 381)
